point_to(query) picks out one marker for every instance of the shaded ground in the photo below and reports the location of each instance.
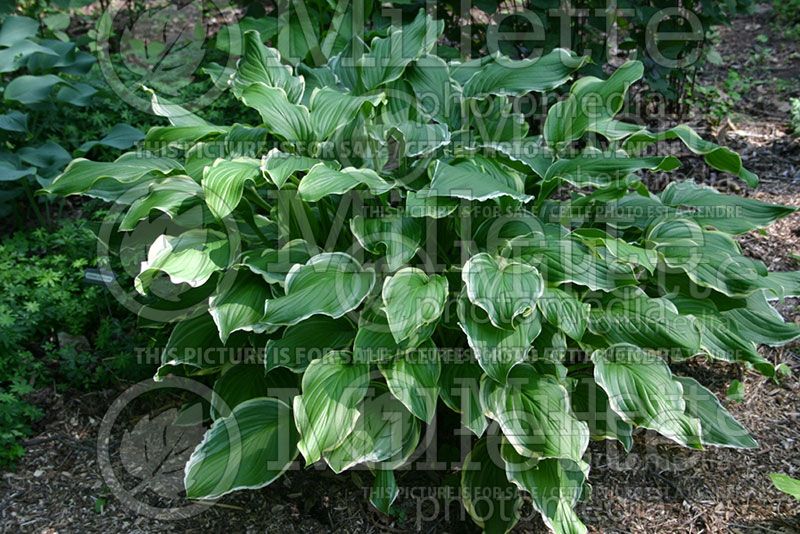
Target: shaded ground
(657, 488)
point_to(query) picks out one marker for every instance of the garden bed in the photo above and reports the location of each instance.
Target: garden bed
(660, 487)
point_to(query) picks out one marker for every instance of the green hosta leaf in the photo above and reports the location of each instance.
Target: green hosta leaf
(168, 197)
(506, 77)
(190, 258)
(281, 117)
(422, 204)
(413, 300)
(237, 384)
(420, 139)
(76, 94)
(720, 158)
(786, 484)
(459, 387)
(384, 490)
(555, 486)
(719, 336)
(569, 261)
(429, 78)
(31, 90)
(14, 121)
(497, 350)
(262, 64)
(471, 182)
(590, 101)
(396, 237)
(109, 180)
(601, 170)
(718, 426)
(505, 289)
(535, 415)
(564, 311)
(224, 181)
(528, 152)
(385, 433)
(490, 499)
(161, 138)
(709, 258)
(761, 323)
(327, 411)
(16, 28)
(619, 248)
(307, 341)
(121, 137)
(247, 450)
(388, 56)
(590, 404)
(414, 379)
(329, 284)
(332, 109)
(175, 114)
(374, 341)
(634, 317)
(273, 265)
(186, 345)
(239, 304)
(732, 214)
(280, 166)
(322, 181)
(642, 390)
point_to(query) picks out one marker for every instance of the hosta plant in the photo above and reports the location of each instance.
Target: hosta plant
(394, 234)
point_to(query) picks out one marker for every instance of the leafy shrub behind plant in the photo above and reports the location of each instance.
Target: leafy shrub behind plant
(55, 330)
(391, 234)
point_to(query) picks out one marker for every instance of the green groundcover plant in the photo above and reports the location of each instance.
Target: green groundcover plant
(392, 235)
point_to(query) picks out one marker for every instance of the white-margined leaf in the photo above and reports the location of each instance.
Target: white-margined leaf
(246, 450)
(322, 181)
(384, 435)
(332, 284)
(505, 289)
(413, 300)
(535, 415)
(642, 390)
(413, 378)
(190, 258)
(394, 236)
(327, 411)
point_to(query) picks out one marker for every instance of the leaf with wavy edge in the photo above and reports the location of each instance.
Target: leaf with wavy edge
(384, 435)
(535, 415)
(322, 181)
(331, 283)
(505, 289)
(328, 410)
(247, 450)
(555, 486)
(190, 258)
(224, 182)
(642, 390)
(412, 300)
(260, 63)
(502, 76)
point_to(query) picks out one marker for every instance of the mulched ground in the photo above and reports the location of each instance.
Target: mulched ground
(659, 487)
